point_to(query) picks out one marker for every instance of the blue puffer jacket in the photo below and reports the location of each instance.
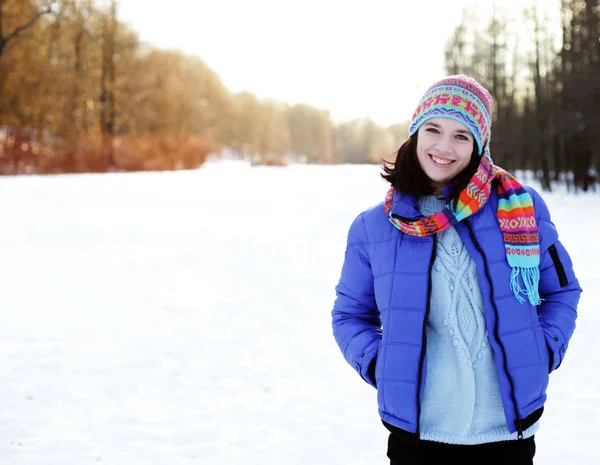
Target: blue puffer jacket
(382, 305)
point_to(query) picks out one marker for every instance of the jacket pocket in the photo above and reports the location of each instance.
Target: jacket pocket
(558, 266)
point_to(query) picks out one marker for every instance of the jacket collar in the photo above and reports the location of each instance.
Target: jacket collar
(406, 206)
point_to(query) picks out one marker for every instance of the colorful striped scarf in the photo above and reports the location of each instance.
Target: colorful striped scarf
(515, 215)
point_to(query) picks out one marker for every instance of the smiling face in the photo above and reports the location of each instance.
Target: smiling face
(444, 149)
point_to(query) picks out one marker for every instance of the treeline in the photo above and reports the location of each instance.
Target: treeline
(543, 70)
(80, 92)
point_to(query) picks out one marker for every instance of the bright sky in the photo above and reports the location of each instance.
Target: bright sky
(357, 58)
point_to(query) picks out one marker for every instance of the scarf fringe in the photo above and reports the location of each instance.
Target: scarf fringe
(531, 279)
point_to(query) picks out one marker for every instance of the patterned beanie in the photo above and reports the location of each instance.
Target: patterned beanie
(460, 98)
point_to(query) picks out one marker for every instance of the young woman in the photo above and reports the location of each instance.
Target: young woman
(456, 299)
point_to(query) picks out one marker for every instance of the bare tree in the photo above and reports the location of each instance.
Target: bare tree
(107, 84)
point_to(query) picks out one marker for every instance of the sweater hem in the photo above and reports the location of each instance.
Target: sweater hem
(497, 435)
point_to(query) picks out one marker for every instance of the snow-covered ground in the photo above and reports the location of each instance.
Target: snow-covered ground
(184, 318)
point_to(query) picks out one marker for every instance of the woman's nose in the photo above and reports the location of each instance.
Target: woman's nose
(444, 145)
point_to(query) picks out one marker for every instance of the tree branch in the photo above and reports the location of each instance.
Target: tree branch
(5, 40)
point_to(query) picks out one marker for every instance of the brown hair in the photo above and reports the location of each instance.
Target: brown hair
(407, 176)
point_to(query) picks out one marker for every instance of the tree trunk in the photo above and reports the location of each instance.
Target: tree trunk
(540, 117)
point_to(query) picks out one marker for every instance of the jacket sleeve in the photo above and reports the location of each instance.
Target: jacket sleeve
(355, 317)
(559, 288)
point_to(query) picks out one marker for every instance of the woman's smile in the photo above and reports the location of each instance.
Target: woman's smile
(440, 161)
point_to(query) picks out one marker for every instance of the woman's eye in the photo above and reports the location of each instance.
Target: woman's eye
(433, 130)
(462, 137)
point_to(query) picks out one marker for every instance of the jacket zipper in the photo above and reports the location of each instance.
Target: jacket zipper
(496, 334)
(560, 269)
(424, 340)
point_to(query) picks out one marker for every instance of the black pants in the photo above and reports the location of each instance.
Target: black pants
(517, 452)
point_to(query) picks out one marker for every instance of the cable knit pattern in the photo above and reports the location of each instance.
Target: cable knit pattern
(461, 400)
(465, 323)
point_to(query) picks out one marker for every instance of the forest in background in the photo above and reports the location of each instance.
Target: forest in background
(80, 92)
(543, 71)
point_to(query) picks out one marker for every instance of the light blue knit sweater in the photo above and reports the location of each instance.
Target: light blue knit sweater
(461, 402)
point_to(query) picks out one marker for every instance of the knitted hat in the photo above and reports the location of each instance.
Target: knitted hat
(460, 98)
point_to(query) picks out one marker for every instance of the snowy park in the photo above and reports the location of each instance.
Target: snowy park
(184, 318)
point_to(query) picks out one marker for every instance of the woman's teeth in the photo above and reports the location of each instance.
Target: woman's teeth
(440, 161)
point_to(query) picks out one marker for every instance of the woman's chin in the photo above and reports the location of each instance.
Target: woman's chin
(438, 179)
